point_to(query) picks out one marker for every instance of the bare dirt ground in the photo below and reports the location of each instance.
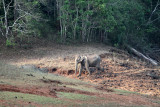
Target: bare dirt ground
(121, 71)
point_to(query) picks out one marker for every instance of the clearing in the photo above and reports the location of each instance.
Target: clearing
(44, 76)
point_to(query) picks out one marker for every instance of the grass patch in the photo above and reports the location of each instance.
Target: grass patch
(29, 98)
(100, 105)
(10, 71)
(157, 101)
(112, 104)
(83, 88)
(124, 92)
(13, 75)
(65, 79)
(74, 96)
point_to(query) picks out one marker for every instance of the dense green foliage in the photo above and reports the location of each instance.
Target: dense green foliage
(116, 22)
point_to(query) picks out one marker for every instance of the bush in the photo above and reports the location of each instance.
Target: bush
(10, 42)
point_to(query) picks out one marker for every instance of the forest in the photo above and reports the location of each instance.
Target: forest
(80, 53)
(113, 22)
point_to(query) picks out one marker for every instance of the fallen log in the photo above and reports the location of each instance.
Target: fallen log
(139, 54)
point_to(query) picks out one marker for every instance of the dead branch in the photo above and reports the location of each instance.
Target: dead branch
(139, 54)
(155, 9)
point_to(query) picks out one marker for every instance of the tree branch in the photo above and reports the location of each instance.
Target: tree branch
(2, 21)
(8, 6)
(2, 32)
(17, 20)
(153, 20)
(149, 20)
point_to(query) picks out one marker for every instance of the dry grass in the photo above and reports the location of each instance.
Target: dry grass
(122, 71)
(57, 55)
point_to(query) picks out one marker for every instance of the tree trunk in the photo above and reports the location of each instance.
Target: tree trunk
(153, 62)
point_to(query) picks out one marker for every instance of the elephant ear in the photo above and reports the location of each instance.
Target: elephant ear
(80, 59)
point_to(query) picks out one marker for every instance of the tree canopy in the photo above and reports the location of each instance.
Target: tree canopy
(115, 22)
